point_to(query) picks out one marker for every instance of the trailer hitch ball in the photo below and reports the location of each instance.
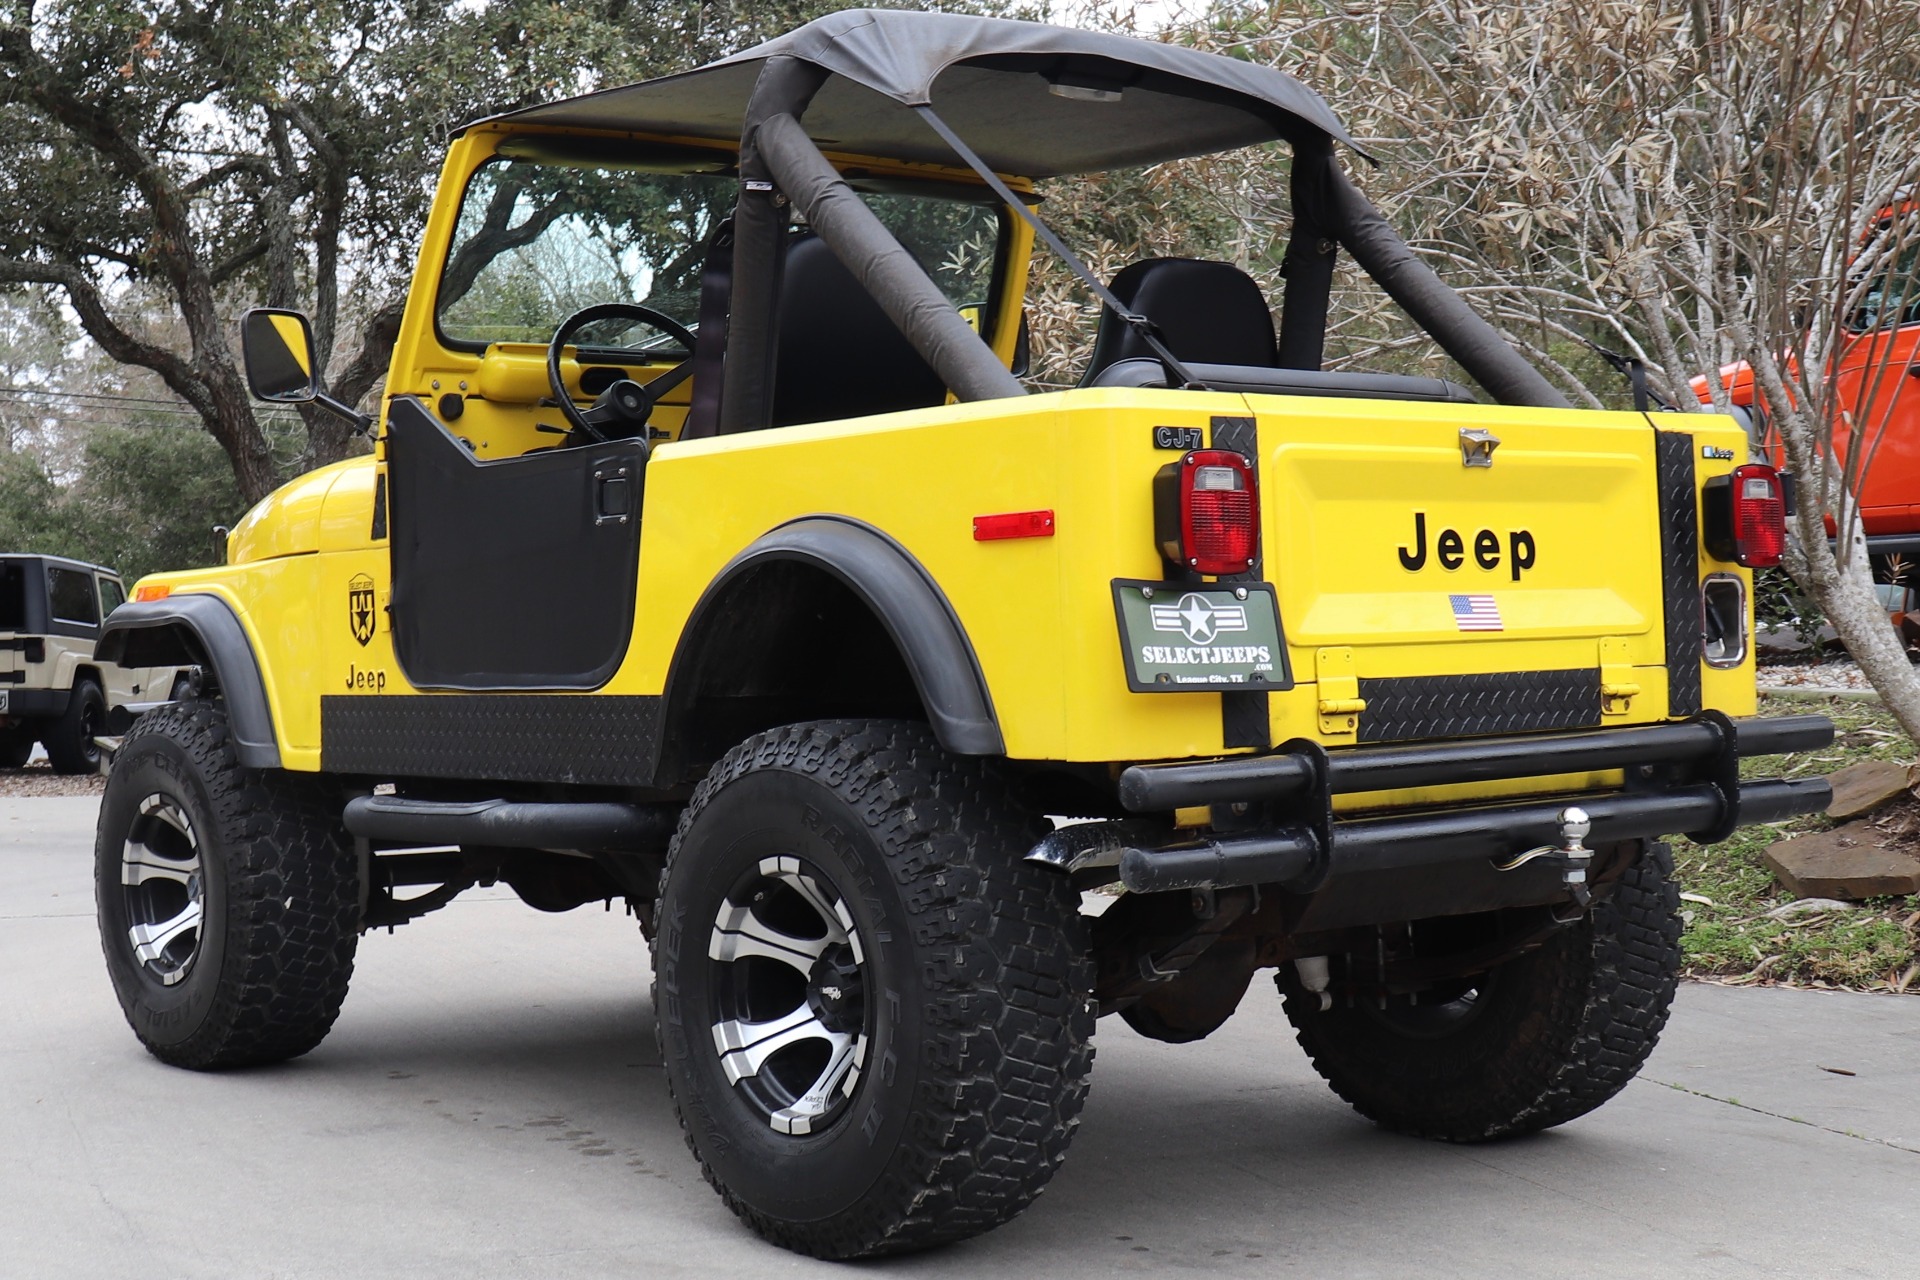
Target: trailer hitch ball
(1314, 976)
(1571, 855)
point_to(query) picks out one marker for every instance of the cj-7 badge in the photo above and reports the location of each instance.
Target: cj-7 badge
(360, 607)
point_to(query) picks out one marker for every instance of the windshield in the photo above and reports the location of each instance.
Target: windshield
(536, 242)
(1891, 279)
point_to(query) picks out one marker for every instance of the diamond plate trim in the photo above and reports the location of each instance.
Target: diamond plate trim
(597, 740)
(1679, 568)
(1244, 717)
(1403, 709)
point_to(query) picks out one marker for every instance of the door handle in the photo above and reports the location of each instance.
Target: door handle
(612, 495)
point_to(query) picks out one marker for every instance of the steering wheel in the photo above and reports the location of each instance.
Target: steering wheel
(623, 408)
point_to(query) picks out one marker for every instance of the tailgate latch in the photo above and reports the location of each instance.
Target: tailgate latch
(1476, 446)
(1339, 690)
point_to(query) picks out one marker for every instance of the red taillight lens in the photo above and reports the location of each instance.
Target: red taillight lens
(1746, 516)
(1216, 512)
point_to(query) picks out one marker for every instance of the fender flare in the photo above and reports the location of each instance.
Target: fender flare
(183, 630)
(885, 577)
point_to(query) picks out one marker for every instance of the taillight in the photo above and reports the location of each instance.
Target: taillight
(1746, 516)
(1207, 512)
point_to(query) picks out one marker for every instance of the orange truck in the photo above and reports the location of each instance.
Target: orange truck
(1876, 399)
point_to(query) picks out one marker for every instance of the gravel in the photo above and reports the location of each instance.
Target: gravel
(1822, 677)
(41, 780)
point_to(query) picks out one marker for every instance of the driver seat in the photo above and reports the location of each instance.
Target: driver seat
(839, 356)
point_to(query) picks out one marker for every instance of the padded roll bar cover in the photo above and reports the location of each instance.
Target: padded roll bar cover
(200, 629)
(884, 268)
(785, 86)
(901, 594)
(1262, 380)
(1473, 343)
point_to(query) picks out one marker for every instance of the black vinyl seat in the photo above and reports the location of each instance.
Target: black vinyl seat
(1215, 320)
(839, 355)
(1206, 312)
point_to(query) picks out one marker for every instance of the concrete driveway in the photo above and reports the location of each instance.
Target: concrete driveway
(490, 1104)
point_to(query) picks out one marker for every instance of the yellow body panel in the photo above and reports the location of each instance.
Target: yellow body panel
(1352, 492)
(1038, 612)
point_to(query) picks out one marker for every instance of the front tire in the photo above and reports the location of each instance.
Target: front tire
(228, 898)
(1538, 1041)
(875, 1017)
(69, 739)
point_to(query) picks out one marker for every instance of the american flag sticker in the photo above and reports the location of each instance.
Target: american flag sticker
(1476, 613)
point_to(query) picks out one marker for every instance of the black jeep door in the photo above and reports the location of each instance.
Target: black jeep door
(515, 573)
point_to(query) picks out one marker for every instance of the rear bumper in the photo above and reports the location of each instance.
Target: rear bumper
(35, 704)
(1274, 823)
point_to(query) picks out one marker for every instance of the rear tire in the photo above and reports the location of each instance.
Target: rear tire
(1542, 1039)
(69, 739)
(16, 746)
(936, 990)
(228, 898)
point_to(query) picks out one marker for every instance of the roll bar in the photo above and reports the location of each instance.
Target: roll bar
(779, 162)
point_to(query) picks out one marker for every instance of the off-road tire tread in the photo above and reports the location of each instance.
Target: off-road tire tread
(293, 913)
(1009, 1042)
(1604, 987)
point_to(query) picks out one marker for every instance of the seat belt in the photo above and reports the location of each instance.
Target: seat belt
(710, 342)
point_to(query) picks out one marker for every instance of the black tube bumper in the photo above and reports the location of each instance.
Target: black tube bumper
(1157, 787)
(1407, 864)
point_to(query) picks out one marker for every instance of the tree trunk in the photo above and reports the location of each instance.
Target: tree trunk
(1841, 583)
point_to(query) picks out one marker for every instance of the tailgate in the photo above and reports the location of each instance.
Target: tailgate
(1474, 569)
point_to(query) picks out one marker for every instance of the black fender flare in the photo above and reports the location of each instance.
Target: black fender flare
(199, 630)
(901, 594)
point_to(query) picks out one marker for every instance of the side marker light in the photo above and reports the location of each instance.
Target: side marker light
(1013, 524)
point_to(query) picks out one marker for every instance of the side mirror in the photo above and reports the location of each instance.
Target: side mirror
(277, 349)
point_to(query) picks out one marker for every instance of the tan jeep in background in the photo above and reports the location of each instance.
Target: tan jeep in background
(52, 689)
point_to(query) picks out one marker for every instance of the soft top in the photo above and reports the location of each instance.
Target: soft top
(1033, 100)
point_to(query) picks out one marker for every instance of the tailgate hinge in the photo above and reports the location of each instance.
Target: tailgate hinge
(1339, 691)
(1618, 682)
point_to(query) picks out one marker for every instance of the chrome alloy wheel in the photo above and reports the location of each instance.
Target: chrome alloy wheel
(165, 888)
(790, 990)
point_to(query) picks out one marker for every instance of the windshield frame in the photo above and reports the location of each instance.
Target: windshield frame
(666, 156)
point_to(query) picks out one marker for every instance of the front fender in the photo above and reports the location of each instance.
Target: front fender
(199, 630)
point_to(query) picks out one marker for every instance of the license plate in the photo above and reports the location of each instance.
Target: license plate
(1182, 638)
(6, 695)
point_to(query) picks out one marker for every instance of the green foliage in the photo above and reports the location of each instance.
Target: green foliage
(1779, 601)
(28, 507)
(147, 499)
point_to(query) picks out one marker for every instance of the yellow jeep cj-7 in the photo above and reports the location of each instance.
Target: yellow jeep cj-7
(712, 557)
